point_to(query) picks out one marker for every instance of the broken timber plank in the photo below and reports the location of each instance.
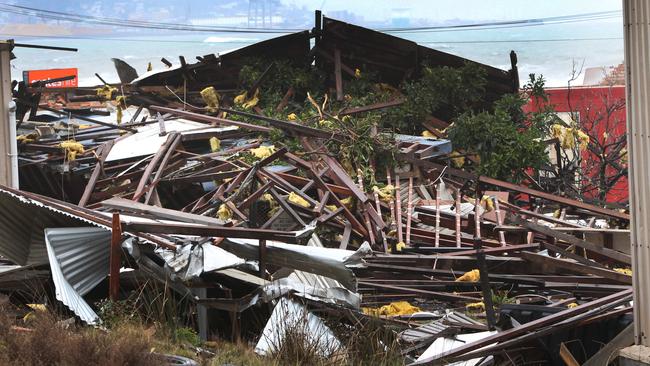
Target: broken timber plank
(567, 357)
(140, 190)
(211, 231)
(371, 107)
(99, 166)
(161, 167)
(209, 119)
(432, 294)
(337, 74)
(285, 125)
(122, 204)
(523, 329)
(604, 355)
(576, 267)
(525, 190)
(610, 253)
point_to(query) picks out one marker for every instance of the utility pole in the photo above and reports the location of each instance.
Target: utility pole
(636, 18)
(8, 147)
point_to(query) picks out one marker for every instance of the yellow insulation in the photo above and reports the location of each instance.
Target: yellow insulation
(224, 212)
(392, 309)
(263, 152)
(457, 159)
(121, 106)
(471, 276)
(215, 144)
(72, 148)
(626, 271)
(211, 98)
(248, 103)
(385, 194)
(347, 202)
(296, 199)
(569, 136)
(478, 306)
(331, 207)
(106, 92)
(488, 203)
(25, 139)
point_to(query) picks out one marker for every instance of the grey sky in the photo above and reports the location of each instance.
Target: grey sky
(441, 10)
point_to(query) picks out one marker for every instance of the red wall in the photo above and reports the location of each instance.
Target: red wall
(591, 103)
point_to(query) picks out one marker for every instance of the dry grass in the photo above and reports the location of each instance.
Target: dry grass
(43, 341)
(239, 354)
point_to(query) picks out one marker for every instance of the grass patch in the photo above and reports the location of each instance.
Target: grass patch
(239, 354)
(44, 340)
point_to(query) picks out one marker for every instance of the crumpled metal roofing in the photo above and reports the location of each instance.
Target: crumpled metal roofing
(22, 221)
(191, 261)
(78, 261)
(330, 262)
(287, 316)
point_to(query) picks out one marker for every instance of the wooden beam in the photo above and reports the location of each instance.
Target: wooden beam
(610, 253)
(99, 167)
(211, 231)
(161, 167)
(337, 74)
(209, 119)
(604, 355)
(424, 293)
(371, 107)
(523, 329)
(575, 267)
(295, 128)
(139, 191)
(522, 189)
(122, 204)
(567, 357)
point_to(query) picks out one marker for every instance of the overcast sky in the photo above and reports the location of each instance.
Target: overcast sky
(441, 10)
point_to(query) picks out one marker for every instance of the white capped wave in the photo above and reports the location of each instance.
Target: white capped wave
(217, 39)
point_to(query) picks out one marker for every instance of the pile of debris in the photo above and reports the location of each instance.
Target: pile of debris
(325, 214)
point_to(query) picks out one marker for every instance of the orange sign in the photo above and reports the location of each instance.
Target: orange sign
(31, 76)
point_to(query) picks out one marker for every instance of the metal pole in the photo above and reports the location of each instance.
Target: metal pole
(13, 145)
(7, 138)
(115, 258)
(486, 289)
(636, 20)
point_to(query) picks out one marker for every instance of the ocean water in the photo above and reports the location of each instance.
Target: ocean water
(552, 50)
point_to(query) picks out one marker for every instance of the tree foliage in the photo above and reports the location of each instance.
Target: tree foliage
(506, 141)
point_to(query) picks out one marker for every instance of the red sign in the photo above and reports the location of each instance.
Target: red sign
(32, 76)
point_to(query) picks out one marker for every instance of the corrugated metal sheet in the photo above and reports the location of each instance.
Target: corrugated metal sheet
(22, 221)
(436, 327)
(330, 262)
(637, 63)
(78, 261)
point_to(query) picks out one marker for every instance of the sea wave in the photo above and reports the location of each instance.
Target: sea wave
(217, 39)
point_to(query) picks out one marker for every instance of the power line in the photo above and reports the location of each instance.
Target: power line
(47, 14)
(527, 40)
(515, 23)
(56, 15)
(125, 39)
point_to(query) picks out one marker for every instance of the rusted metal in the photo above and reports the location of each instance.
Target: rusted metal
(115, 257)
